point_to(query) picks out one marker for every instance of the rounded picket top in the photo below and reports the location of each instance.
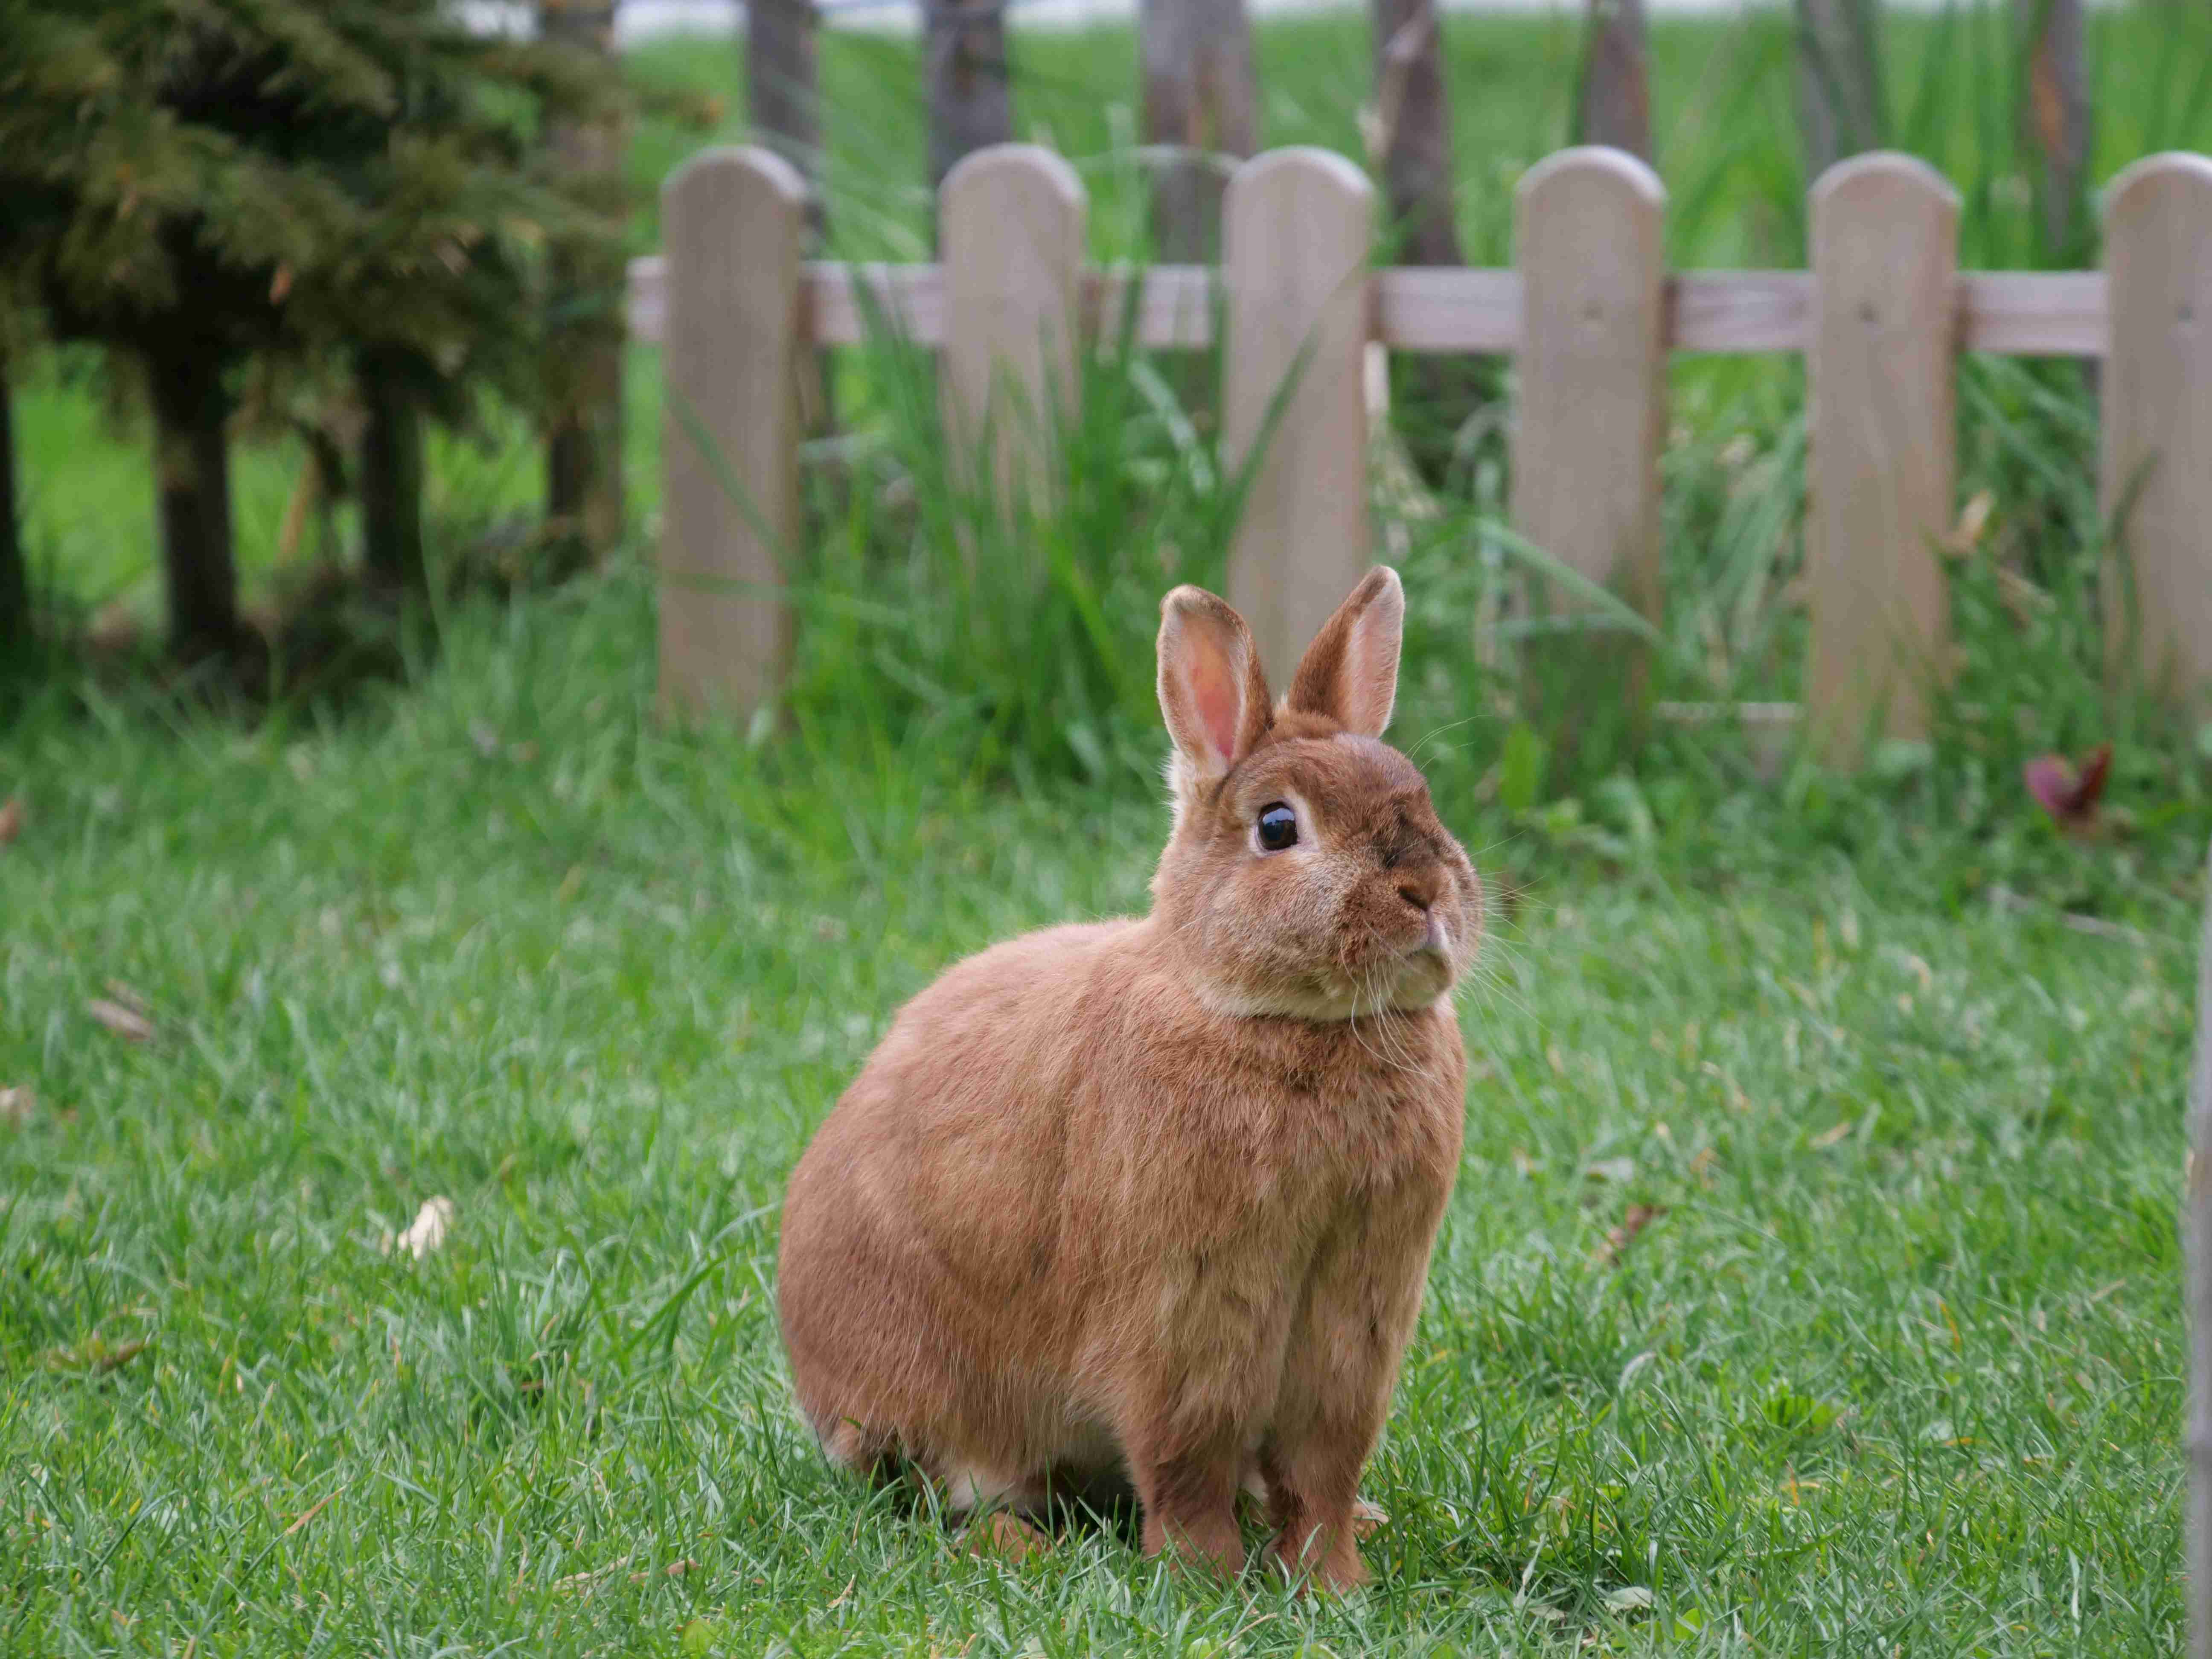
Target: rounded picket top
(2156, 485)
(1880, 364)
(2175, 176)
(1591, 168)
(733, 227)
(1025, 180)
(1589, 241)
(1297, 229)
(1011, 224)
(729, 174)
(1878, 182)
(1300, 199)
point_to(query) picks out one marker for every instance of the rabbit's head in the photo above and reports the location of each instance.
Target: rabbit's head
(1307, 875)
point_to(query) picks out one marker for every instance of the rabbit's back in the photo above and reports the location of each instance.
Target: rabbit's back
(923, 1226)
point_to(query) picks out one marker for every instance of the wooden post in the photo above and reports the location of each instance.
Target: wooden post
(1839, 94)
(1589, 235)
(2197, 1225)
(1198, 102)
(734, 223)
(2054, 118)
(1615, 104)
(970, 91)
(1296, 225)
(2157, 482)
(1011, 220)
(1884, 268)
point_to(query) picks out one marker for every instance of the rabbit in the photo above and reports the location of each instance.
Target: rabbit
(1148, 1203)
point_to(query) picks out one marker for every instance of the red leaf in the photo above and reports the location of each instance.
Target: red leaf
(2069, 793)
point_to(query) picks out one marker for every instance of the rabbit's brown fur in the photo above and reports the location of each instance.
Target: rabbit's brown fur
(1151, 1201)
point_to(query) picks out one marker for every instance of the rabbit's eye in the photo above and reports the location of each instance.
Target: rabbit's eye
(1278, 827)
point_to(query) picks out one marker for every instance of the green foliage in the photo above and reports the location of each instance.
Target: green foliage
(259, 176)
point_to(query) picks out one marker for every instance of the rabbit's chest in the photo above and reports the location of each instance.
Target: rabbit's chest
(1290, 1163)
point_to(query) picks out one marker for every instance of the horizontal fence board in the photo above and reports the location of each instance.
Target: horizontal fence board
(1740, 310)
(1444, 310)
(909, 298)
(2032, 313)
(1175, 305)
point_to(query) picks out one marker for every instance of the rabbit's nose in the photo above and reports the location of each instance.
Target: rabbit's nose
(1420, 889)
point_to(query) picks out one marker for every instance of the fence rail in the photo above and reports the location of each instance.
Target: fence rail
(1441, 312)
(1589, 313)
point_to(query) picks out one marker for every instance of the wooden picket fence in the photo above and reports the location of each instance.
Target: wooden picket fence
(1589, 311)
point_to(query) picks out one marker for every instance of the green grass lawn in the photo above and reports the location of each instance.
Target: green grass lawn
(1894, 1365)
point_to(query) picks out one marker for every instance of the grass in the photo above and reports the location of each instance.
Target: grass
(1895, 1365)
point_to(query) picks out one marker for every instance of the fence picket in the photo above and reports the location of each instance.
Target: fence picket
(1593, 368)
(735, 225)
(2157, 471)
(1886, 324)
(1011, 219)
(1296, 225)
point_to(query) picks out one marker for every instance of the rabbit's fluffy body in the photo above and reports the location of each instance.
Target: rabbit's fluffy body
(1149, 1203)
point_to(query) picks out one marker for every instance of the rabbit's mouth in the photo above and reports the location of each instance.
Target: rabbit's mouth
(1413, 975)
(1435, 942)
(1426, 971)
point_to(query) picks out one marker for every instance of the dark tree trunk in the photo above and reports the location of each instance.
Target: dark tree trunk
(191, 467)
(783, 100)
(1839, 97)
(1199, 100)
(583, 451)
(390, 478)
(2054, 119)
(1433, 398)
(1413, 118)
(970, 91)
(15, 585)
(1614, 106)
(782, 87)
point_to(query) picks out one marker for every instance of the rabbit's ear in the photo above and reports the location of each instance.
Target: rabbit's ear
(1350, 672)
(1212, 690)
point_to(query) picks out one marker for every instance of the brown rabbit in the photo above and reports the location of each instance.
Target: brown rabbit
(1150, 1202)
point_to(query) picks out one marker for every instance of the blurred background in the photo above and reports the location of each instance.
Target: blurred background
(312, 318)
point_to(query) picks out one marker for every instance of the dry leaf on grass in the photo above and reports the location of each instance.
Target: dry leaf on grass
(1827, 1138)
(308, 1515)
(92, 1354)
(17, 1105)
(673, 1569)
(432, 1226)
(128, 1023)
(1618, 1239)
(585, 1582)
(11, 819)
